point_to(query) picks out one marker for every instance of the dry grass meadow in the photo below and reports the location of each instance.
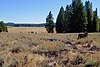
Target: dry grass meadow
(34, 47)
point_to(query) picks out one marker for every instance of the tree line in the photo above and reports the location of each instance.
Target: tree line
(74, 19)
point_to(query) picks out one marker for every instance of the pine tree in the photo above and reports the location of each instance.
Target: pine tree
(95, 21)
(60, 21)
(89, 12)
(78, 20)
(0, 29)
(3, 27)
(99, 24)
(49, 23)
(68, 15)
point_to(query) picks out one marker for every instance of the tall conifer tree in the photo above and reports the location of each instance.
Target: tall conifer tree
(68, 14)
(95, 21)
(78, 17)
(49, 23)
(89, 12)
(60, 21)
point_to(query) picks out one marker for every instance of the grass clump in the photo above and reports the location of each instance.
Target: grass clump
(92, 64)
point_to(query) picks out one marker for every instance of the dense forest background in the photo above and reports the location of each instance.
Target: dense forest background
(74, 19)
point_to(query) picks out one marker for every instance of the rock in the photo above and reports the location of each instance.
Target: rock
(16, 50)
(94, 48)
(51, 64)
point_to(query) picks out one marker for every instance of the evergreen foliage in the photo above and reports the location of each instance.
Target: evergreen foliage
(95, 21)
(77, 18)
(3, 28)
(49, 23)
(68, 14)
(60, 21)
(89, 15)
(99, 24)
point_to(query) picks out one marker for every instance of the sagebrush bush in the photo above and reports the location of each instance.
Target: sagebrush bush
(92, 64)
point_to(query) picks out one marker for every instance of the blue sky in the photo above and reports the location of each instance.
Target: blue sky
(33, 11)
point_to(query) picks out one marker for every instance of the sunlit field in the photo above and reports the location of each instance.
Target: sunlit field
(26, 29)
(34, 47)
